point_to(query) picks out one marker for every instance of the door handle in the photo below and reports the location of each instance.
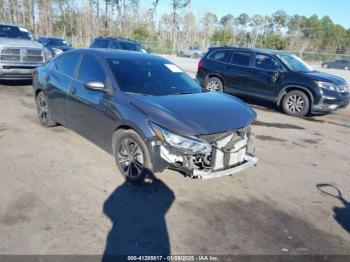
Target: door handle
(72, 91)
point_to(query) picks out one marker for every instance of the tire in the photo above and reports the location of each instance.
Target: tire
(181, 54)
(134, 163)
(214, 84)
(43, 110)
(347, 68)
(325, 66)
(296, 103)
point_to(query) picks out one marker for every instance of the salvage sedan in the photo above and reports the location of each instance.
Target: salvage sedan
(145, 111)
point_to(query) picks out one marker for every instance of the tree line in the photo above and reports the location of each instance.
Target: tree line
(80, 21)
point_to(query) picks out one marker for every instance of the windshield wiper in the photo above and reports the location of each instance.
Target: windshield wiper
(182, 93)
(133, 93)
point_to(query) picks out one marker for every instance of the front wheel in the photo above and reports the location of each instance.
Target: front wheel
(214, 84)
(131, 155)
(296, 103)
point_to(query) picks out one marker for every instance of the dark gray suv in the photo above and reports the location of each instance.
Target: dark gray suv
(117, 43)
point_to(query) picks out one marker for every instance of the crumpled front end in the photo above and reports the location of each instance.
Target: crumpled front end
(231, 152)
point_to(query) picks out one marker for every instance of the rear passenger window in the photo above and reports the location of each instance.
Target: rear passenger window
(67, 63)
(104, 43)
(265, 62)
(96, 43)
(240, 58)
(219, 55)
(91, 70)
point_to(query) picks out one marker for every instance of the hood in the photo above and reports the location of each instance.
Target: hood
(320, 76)
(15, 42)
(195, 114)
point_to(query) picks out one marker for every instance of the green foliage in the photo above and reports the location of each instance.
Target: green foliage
(275, 42)
(222, 37)
(141, 33)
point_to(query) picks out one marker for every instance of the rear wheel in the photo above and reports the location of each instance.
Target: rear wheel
(131, 155)
(214, 84)
(43, 110)
(347, 68)
(296, 103)
(325, 66)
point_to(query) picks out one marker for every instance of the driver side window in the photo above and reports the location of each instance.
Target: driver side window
(266, 62)
(91, 70)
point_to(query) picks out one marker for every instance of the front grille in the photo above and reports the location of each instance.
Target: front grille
(229, 148)
(22, 55)
(11, 51)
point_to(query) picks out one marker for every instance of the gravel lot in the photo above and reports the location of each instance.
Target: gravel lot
(61, 194)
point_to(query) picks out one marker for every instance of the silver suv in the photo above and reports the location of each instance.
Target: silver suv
(191, 51)
(20, 54)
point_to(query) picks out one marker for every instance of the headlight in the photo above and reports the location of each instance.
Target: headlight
(57, 51)
(188, 145)
(47, 54)
(327, 85)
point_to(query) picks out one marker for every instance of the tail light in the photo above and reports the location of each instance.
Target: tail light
(200, 64)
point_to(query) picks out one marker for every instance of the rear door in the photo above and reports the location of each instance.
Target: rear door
(264, 82)
(88, 110)
(216, 64)
(58, 82)
(238, 72)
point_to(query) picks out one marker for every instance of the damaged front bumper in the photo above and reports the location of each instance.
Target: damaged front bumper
(231, 153)
(249, 161)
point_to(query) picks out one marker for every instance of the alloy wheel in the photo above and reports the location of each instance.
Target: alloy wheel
(42, 109)
(213, 86)
(130, 158)
(295, 104)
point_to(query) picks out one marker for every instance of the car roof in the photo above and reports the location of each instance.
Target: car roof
(51, 37)
(247, 49)
(116, 53)
(120, 39)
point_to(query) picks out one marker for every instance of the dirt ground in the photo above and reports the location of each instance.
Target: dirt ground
(61, 194)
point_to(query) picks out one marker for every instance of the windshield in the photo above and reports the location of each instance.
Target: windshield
(151, 77)
(294, 63)
(15, 32)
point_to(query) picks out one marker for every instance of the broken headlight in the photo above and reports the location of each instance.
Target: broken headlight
(187, 145)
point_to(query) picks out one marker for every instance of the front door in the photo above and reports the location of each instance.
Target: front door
(88, 109)
(265, 79)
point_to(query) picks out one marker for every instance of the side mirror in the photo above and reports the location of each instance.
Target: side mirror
(95, 85)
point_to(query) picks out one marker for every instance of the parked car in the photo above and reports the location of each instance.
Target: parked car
(56, 45)
(191, 51)
(273, 76)
(117, 43)
(146, 111)
(20, 54)
(337, 64)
